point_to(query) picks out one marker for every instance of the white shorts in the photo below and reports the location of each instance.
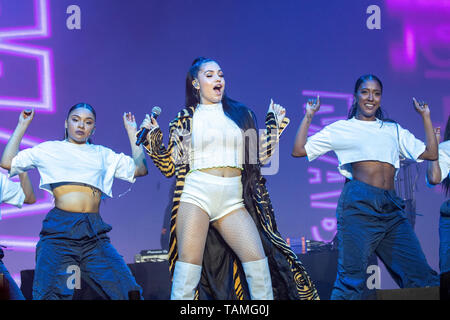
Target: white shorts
(217, 196)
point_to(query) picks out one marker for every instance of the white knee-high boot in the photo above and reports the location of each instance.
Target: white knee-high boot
(258, 279)
(185, 280)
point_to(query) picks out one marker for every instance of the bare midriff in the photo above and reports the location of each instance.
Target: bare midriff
(374, 173)
(77, 197)
(226, 172)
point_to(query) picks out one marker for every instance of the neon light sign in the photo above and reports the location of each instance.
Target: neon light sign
(42, 56)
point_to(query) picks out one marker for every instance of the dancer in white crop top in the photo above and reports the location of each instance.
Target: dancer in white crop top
(16, 194)
(370, 216)
(438, 173)
(78, 174)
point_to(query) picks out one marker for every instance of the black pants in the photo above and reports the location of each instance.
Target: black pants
(372, 220)
(444, 238)
(8, 287)
(74, 245)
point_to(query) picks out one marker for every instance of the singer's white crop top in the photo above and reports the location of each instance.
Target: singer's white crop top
(356, 140)
(10, 192)
(216, 139)
(63, 161)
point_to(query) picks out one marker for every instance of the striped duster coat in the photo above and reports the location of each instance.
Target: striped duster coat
(222, 273)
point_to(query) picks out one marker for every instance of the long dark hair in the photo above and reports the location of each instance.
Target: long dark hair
(79, 106)
(446, 181)
(244, 118)
(367, 77)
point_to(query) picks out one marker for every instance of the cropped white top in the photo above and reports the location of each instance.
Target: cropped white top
(216, 139)
(63, 161)
(10, 192)
(444, 159)
(356, 140)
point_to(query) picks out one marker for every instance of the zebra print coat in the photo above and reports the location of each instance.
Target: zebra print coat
(222, 274)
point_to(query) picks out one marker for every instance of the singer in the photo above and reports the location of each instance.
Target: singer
(16, 194)
(78, 174)
(370, 216)
(438, 172)
(219, 184)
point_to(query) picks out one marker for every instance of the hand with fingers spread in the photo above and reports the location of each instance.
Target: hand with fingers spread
(431, 150)
(138, 155)
(312, 106)
(129, 122)
(421, 107)
(278, 111)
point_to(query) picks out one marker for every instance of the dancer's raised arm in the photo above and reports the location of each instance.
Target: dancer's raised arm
(137, 152)
(312, 107)
(12, 147)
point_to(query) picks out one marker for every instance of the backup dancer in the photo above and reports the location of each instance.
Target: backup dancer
(370, 216)
(223, 231)
(78, 174)
(16, 194)
(438, 172)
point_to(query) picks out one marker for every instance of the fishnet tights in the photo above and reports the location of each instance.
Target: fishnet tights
(237, 229)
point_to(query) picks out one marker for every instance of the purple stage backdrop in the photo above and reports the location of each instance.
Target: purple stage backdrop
(124, 56)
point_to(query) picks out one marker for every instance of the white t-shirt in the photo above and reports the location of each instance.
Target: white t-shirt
(444, 159)
(10, 192)
(217, 141)
(63, 161)
(356, 140)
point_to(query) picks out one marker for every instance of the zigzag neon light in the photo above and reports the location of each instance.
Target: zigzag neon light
(41, 206)
(43, 57)
(326, 94)
(26, 140)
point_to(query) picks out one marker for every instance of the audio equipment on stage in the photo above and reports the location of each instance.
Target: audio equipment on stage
(151, 255)
(302, 245)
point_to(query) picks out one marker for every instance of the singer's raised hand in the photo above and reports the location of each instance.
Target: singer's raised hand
(149, 123)
(129, 122)
(277, 110)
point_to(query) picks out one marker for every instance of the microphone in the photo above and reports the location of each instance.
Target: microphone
(144, 131)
